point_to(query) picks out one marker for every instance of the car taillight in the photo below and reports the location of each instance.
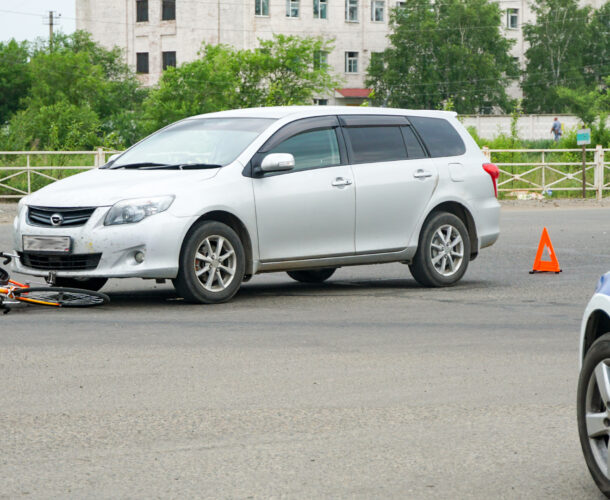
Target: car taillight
(494, 173)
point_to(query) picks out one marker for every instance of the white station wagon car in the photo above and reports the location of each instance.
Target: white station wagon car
(214, 199)
(593, 400)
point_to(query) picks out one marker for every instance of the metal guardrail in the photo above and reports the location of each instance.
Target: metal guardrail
(540, 176)
(17, 181)
(557, 175)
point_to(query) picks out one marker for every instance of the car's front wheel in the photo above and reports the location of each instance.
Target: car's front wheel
(443, 252)
(312, 275)
(212, 264)
(593, 410)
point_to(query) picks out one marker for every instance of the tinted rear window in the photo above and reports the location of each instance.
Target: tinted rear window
(439, 136)
(375, 144)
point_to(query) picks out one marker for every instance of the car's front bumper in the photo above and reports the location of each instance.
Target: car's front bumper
(158, 237)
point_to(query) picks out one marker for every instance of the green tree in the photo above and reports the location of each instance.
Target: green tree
(79, 75)
(592, 107)
(294, 70)
(281, 71)
(15, 77)
(441, 51)
(555, 57)
(58, 126)
(597, 55)
(207, 84)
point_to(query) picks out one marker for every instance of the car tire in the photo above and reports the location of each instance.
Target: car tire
(590, 401)
(92, 284)
(206, 276)
(431, 264)
(312, 275)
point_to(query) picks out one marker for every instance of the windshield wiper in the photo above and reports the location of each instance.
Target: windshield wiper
(182, 166)
(149, 165)
(139, 165)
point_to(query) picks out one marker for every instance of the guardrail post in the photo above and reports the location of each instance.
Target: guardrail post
(599, 171)
(100, 157)
(487, 152)
(544, 188)
(27, 166)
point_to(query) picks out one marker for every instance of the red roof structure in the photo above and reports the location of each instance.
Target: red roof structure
(360, 93)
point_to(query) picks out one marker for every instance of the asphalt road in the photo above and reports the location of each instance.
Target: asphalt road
(366, 387)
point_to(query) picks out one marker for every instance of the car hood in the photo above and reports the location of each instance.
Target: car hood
(104, 187)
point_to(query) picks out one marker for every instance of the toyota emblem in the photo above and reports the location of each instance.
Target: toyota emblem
(57, 219)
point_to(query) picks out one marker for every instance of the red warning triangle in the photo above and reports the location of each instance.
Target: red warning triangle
(540, 265)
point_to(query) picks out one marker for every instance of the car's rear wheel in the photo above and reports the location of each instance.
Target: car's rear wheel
(212, 264)
(593, 411)
(93, 284)
(443, 252)
(312, 275)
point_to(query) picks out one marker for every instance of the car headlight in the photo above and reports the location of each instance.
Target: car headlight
(130, 211)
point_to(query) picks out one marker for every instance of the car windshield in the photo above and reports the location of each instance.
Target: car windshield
(203, 142)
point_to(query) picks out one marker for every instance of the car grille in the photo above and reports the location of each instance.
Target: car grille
(82, 262)
(72, 217)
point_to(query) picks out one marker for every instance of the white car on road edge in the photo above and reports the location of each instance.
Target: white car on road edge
(214, 199)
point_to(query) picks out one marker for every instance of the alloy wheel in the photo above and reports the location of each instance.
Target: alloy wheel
(215, 263)
(447, 250)
(597, 415)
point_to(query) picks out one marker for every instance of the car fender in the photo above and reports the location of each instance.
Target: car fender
(431, 207)
(599, 302)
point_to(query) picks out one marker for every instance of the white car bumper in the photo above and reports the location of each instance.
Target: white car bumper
(158, 237)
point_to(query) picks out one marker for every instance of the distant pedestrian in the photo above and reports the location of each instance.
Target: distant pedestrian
(556, 129)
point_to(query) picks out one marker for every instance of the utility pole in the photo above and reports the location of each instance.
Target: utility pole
(53, 17)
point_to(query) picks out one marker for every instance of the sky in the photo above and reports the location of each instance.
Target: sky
(28, 19)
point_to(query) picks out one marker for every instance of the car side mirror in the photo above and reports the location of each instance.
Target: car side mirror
(277, 162)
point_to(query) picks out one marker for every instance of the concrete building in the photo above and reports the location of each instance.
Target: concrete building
(159, 33)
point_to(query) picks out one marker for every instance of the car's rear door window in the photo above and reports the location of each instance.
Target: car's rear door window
(375, 144)
(440, 137)
(312, 149)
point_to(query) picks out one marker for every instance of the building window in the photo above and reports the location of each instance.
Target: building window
(320, 9)
(351, 62)
(261, 7)
(168, 12)
(169, 59)
(320, 102)
(142, 62)
(292, 8)
(512, 19)
(320, 59)
(401, 4)
(377, 10)
(351, 11)
(141, 11)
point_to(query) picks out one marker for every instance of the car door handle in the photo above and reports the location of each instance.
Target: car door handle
(422, 174)
(340, 182)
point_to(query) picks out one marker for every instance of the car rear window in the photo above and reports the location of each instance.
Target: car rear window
(439, 136)
(375, 144)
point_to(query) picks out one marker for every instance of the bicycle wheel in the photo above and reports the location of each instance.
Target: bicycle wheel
(61, 297)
